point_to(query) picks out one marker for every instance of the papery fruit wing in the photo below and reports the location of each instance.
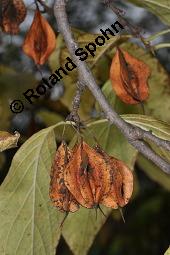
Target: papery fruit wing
(59, 194)
(76, 178)
(122, 185)
(40, 40)
(129, 77)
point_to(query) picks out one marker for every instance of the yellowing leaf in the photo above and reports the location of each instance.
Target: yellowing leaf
(40, 40)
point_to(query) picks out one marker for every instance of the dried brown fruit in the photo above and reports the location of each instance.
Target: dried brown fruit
(13, 13)
(129, 77)
(40, 40)
(59, 194)
(122, 183)
(87, 176)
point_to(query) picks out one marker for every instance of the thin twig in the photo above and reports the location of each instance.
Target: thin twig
(134, 135)
(74, 116)
(46, 7)
(135, 31)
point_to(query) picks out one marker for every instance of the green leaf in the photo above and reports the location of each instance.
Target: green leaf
(148, 123)
(81, 228)
(158, 128)
(158, 34)
(8, 141)
(161, 46)
(160, 8)
(29, 223)
(161, 130)
(167, 252)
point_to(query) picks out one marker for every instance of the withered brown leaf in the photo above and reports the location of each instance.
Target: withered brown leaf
(129, 77)
(87, 176)
(13, 13)
(40, 40)
(59, 194)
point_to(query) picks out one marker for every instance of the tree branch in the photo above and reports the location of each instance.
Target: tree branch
(134, 135)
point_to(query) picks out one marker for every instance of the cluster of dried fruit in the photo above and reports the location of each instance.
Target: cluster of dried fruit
(88, 177)
(40, 40)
